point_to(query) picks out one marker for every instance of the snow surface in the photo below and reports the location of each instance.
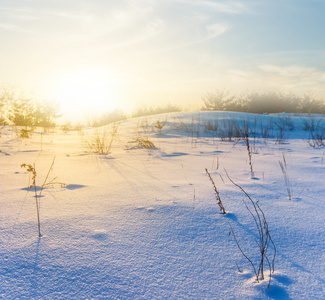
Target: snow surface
(144, 223)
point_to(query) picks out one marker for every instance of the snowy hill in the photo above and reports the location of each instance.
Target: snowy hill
(142, 222)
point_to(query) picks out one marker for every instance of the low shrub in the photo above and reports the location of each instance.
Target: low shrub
(141, 142)
(101, 140)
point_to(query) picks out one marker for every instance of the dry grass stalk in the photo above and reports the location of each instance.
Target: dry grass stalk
(219, 202)
(264, 237)
(245, 134)
(317, 137)
(100, 143)
(144, 142)
(31, 169)
(283, 166)
(140, 142)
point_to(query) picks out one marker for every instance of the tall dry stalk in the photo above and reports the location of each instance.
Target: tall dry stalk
(100, 142)
(264, 240)
(284, 169)
(245, 135)
(32, 170)
(219, 202)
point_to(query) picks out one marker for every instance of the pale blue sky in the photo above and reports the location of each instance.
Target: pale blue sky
(152, 51)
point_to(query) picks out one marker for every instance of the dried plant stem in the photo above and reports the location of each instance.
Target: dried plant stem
(239, 270)
(37, 210)
(264, 236)
(100, 143)
(283, 166)
(47, 175)
(32, 170)
(219, 202)
(245, 134)
(242, 252)
(144, 142)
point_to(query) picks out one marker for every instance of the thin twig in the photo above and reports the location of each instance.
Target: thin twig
(219, 202)
(264, 236)
(47, 175)
(242, 252)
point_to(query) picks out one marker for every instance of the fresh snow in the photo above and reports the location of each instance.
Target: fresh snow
(144, 223)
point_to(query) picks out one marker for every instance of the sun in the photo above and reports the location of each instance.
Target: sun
(86, 91)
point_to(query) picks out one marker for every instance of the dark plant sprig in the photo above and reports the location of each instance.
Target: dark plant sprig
(264, 236)
(245, 134)
(31, 169)
(219, 202)
(284, 169)
(160, 125)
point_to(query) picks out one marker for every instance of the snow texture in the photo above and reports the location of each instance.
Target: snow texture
(144, 223)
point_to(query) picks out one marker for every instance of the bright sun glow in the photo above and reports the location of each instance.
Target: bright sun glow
(86, 91)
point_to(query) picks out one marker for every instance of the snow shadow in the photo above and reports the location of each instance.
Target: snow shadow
(68, 187)
(277, 292)
(3, 152)
(284, 279)
(166, 136)
(277, 289)
(231, 216)
(99, 235)
(74, 186)
(174, 154)
(27, 188)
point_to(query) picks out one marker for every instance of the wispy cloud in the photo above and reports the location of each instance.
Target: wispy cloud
(207, 42)
(229, 7)
(215, 30)
(118, 25)
(148, 31)
(292, 71)
(16, 9)
(211, 31)
(295, 77)
(19, 29)
(225, 7)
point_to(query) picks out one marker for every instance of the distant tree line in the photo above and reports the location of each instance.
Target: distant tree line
(24, 111)
(269, 102)
(119, 115)
(147, 111)
(109, 117)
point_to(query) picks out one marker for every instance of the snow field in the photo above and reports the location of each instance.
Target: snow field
(144, 223)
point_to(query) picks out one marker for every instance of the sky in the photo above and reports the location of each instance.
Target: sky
(95, 56)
